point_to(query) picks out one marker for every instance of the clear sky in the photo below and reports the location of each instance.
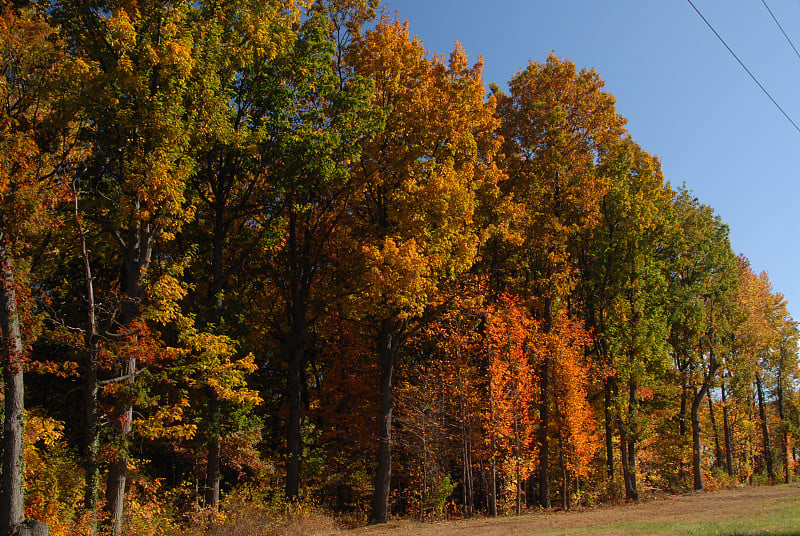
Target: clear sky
(686, 98)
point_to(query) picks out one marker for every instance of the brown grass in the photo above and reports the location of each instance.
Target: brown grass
(736, 511)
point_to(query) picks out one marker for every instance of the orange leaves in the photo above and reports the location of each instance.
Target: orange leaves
(509, 334)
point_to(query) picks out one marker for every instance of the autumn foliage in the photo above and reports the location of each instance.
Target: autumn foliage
(261, 260)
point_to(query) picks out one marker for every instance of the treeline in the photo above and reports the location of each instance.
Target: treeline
(277, 247)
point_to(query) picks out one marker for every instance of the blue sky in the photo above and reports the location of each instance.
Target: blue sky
(686, 98)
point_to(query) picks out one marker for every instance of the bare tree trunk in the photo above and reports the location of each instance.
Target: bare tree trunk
(726, 428)
(762, 411)
(628, 471)
(717, 447)
(388, 346)
(213, 459)
(12, 509)
(609, 428)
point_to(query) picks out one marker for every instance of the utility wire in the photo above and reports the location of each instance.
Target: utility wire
(745, 68)
(781, 27)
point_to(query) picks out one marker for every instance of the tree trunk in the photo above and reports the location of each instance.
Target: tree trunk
(784, 423)
(118, 469)
(138, 252)
(388, 346)
(609, 428)
(91, 441)
(682, 413)
(12, 509)
(762, 411)
(717, 447)
(564, 476)
(632, 403)
(294, 444)
(493, 488)
(466, 445)
(697, 471)
(726, 428)
(213, 458)
(91, 438)
(628, 470)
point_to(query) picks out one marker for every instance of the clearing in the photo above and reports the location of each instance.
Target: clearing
(771, 510)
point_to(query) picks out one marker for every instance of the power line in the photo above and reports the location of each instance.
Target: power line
(781, 27)
(745, 67)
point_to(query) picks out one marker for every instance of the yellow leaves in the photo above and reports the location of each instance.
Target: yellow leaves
(167, 422)
(398, 275)
(121, 30)
(166, 293)
(40, 428)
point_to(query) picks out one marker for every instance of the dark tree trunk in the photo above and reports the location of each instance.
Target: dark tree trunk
(717, 447)
(388, 346)
(609, 428)
(726, 429)
(12, 509)
(138, 252)
(762, 411)
(91, 441)
(682, 413)
(211, 495)
(628, 469)
(632, 402)
(697, 470)
(782, 417)
(294, 443)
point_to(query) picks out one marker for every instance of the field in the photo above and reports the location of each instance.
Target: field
(771, 510)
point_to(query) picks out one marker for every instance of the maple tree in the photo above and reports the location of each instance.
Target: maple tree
(135, 60)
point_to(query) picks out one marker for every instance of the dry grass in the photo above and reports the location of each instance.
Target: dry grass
(744, 511)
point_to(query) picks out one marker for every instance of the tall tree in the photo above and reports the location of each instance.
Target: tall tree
(32, 148)
(622, 289)
(136, 59)
(556, 123)
(314, 118)
(421, 180)
(702, 285)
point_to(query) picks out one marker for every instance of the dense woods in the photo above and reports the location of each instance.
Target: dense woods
(278, 253)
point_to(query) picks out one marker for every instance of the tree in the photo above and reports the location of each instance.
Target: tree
(32, 147)
(420, 179)
(622, 289)
(135, 62)
(702, 283)
(234, 194)
(314, 123)
(556, 124)
(511, 336)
